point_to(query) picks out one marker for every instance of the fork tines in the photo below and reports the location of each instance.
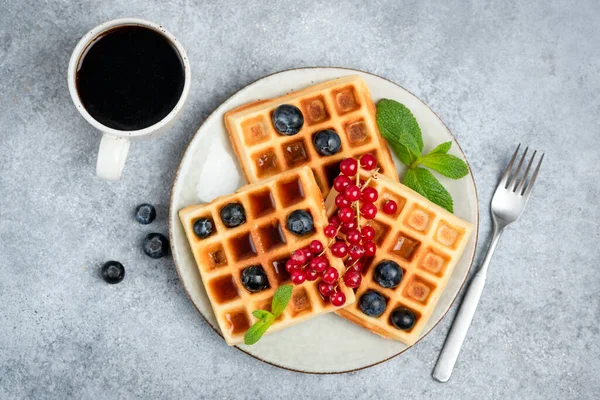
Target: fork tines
(521, 185)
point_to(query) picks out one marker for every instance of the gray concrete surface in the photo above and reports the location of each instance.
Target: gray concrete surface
(497, 73)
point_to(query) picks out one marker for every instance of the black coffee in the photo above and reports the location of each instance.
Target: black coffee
(130, 78)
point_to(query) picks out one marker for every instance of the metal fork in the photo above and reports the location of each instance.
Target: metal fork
(508, 204)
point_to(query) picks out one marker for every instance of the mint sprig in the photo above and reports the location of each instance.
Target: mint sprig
(403, 134)
(281, 298)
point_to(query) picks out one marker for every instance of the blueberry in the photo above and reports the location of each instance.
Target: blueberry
(203, 227)
(327, 142)
(254, 278)
(388, 274)
(113, 272)
(288, 119)
(233, 215)
(299, 222)
(372, 303)
(145, 213)
(155, 245)
(402, 318)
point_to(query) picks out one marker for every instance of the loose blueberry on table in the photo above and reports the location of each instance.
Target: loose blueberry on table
(203, 227)
(287, 119)
(155, 245)
(145, 213)
(254, 279)
(233, 214)
(113, 272)
(327, 142)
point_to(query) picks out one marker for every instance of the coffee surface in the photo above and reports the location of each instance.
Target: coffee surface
(130, 78)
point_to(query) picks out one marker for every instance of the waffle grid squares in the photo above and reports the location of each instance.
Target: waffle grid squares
(410, 238)
(262, 240)
(343, 105)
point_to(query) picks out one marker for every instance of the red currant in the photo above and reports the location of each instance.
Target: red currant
(369, 195)
(370, 248)
(291, 265)
(352, 278)
(299, 257)
(330, 231)
(330, 275)
(368, 161)
(298, 276)
(356, 251)
(390, 207)
(346, 214)
(349, 166)
(341, 182)
(339, 249)
(312, 275)
(309, 254)
(368, 210)
(361, 183)
(341, 201)
(335, 220)
(326, 289)
(368, 233)
(319, 264)
(348, 226)
(338, 298)
(352, 193)
(357, 266)
(353, 236)
(316, 246)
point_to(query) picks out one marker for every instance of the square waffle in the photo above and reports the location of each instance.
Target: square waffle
(424, 239)
(262, 240)
(343, 105)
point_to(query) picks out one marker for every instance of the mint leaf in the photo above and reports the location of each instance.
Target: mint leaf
(402, 152)
(423, 182)
(281, 298)
(442, 148)
(256, 331)
(446, 164)
(261, 314)
(400, 128)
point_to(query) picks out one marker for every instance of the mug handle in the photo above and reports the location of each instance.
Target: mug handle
(111, 157)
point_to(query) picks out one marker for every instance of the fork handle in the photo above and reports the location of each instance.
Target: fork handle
(464, 317)
(458, 332)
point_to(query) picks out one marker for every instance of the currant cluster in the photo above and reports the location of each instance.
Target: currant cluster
(355, 200)
(308, 264)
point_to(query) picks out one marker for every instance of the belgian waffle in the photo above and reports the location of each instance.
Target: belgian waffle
(343, 105)
(424, 239)
(262, 240)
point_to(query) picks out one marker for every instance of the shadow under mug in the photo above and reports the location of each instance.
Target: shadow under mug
(114, 145)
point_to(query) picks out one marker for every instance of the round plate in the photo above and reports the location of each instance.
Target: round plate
(329, 343)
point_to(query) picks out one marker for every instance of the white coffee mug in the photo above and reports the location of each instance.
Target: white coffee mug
(115, 143)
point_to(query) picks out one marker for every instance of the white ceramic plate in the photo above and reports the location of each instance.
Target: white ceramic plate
(326, 344)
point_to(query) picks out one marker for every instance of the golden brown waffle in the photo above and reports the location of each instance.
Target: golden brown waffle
(262, 240)
(424, 239)
(343, 105)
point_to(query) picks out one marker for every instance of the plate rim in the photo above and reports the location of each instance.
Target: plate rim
(171, 208)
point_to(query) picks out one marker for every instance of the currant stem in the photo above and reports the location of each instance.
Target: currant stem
(356, 203)
(353, 264)
(331, 241)
(372, 176)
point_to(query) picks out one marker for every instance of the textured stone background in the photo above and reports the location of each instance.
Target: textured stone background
(497, 73)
